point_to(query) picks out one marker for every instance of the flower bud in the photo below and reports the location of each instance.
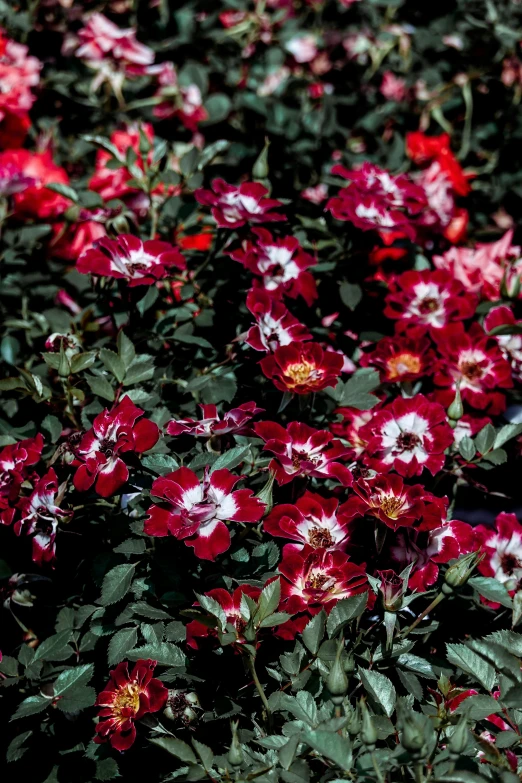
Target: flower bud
(64, 367)
(458, 574)
(337, 681)
(235, 754)
(412, 737)
(456, 409)
(265, 494)
(368, 730)
(459, 738)
(348, 663)
(260, 168)
(72, 214)
(392, 590)
(354, 722)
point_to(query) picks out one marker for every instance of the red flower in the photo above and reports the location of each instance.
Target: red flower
(503, 549)
(408, 435)
(428, 550)
(39, 517)
(113, 433)
(231, 605)
(400, 359)
(509, 344)
(233, 206)
(15, 459)
(275, 325)
(391, 501)
(36, 200)
(350, 428)
(280, 263)
(196, 513)
(375, 199)
(302, 368)
(313, 521)
(313, 578)
(101, 39)
(474, 361)
(127, 698)
(127, 257)
(424, 149)
(235, 420)
(19, 73)
(71, 240)
(302, 451)
(427, 299)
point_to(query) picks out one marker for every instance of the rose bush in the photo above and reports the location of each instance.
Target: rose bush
(261, 401)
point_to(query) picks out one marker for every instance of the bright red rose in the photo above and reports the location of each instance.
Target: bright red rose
(39, 517)
(196, 512)
(424, 149)
(19, 73)
(302, 368)
(127, 698)
(275, 325)
(233, 206)
(408, 435)
(400, 359)
(130, 259)
(15, 461)
(114, 433)
(36, 200)
(301, 450)
(313, 521)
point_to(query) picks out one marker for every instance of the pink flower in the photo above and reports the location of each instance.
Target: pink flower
(316, 194)
(393, 88)
(275, 325)
(15, 461)
(440, 195)
(428, 550)
(302, 368)
(101, 38)
(313, 521)
(302, 451)
(408, 435)
(39, 517)
(233, 206)
(232, 606)
(113, 433)
(303, 48)
(184, 102)
(391, 501)
(128, 258)
(196, 512)
(375, 199)
(474, 362)
(509, 344)
(503, 547)
(281, 263)
(19, 73)
(235, 420)
(427, 299)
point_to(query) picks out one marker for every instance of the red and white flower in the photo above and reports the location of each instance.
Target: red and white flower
(233, 207)
(510, 344)
(396, 504)
(312, 521)
(196, 512)
(176, 100)
(400, 359)
(408, 435)
(427, 550)
(15, 461)
(19, 73)
(99, 453)
(36, 200)
(128, 258)
(232, 605)
(427, 149)
(376, 199)
(472, 361)
(100, 38)
(427, 299)
(350, 428)
(301, 450)
(281, 264)
(234, 421)
(503, 550)
(302, 368)
(275, 325)
(39, 517)
(127, 698)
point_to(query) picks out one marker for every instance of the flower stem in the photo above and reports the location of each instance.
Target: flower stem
(436, 601)
(252, 667)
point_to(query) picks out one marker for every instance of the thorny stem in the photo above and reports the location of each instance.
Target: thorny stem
(436, 601)
(252, 667)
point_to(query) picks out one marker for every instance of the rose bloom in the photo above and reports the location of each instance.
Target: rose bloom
(393, 88)
(130, 259)
(301, 450)
(275, 325)
(428, 299)
(509, 344)
(19, 73)
(408, 435)
(71, 240)
(36, 200)
(231, 605)
(400, 359)
(316, 194)
(474, 362)
(281, 264)
(442, 210)
(234, 421)
(303, 48)
(233, 207)
(15, 461)
(184, 102)
(114, 433)
(196, 512)
(350, 428)
(503, 548)
(313, 520)
(389, 500)
(39, 517)
(127, 698)
(302, 368)
(424, 149)
(101, 38)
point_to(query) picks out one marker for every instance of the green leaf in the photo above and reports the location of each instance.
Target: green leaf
(416, 664)
(467, 448)
(492, 590)
(63, 190)
(218, 106)
(231, 458)
(507, 432)
(380, 688)
(100, 386)
(332, 746)
(344, 611)
(16, 750)
(204, 753)
(126, 350)
(53, 426)
(278, 618)
(120, 644)
(269, 599)
(496, 457)
(470, 662)
(164, 653)
(177, 748)
(351, 295)
(150, 297)
(355, 393)
(160, 463)
(113, 363)
(313, 633)
(55, 648)
(214, 608)
(107, 769)
(485, 439)
(116, 583)
(286, 753)
(132, 546)
(72, 678)
(211, 151)
(140, 369)
(31, 706)
(78, 699)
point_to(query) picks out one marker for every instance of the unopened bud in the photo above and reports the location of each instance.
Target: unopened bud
(412, 737)
(456, 409)
(459, 738)
(458, 574)
(348, 663)
(354, 722)
(368, 730)
(72, 214)
(260, 168)
(64, 367)
(235, 754)
(265, 494)
(337, 681)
